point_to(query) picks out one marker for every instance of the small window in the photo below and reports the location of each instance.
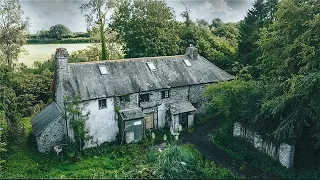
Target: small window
(103, 69)
(187, 62)
(151, 66)
(144, 97)
(102, 103)
(125, 98)
(165, 94)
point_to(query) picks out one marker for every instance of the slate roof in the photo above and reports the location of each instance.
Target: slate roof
(128, 114)
(45, 118)
(133, 75)
(181, 107)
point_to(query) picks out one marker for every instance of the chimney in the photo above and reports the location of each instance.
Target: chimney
(61, 70)
(192, 52)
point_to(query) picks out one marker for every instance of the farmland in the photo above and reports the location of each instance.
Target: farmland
(42, 52)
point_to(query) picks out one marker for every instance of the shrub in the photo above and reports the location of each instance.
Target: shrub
(177, 163)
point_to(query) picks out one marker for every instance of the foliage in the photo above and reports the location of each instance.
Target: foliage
(237, 100)
(147, 27)
(261, 15)
(290, 46)
(31, 89)
(184, 162)
(95, 13)
(250, 157)
(8, 103)
(60, 41)
(77, 119)
(3, 138)
(93, 53)
(12, 30)
(177, 163)
(58, 31)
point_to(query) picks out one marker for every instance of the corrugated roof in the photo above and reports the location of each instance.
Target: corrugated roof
(46, 117)
(128, 114)
(133, 75)
(181, 107)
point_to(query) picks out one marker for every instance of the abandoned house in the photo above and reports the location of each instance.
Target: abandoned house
(148, 93)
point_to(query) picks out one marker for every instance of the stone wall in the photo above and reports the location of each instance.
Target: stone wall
(51, 136)
(284, 153)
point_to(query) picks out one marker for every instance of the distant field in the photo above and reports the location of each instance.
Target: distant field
(42, 52)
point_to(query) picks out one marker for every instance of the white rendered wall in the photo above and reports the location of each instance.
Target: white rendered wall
(101, 124)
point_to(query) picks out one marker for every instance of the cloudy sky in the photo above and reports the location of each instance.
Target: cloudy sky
(46, 13)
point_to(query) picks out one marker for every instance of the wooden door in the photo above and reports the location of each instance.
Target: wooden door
(149, 121)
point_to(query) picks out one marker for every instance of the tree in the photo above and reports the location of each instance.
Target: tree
(12, 30)
(215, 23)
(95, 13)
(148, 28)
(202, 22)
(58, 31)
(290, 65)
(261, 15)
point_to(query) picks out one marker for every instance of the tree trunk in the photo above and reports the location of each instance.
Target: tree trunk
(103, 41)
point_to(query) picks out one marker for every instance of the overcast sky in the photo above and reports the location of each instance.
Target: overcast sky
(46, 13)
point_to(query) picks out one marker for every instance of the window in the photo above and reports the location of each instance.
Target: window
(125, 98)
(103, 69)
(151, 66)
(165, 94)
(102, 103)
(187, 62)
(144, 97)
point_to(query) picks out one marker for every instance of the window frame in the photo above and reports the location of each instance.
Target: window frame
(124, 98)
(145, 94)
(101, 104)
(163, 94)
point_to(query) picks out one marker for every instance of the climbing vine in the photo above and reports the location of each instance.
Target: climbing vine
(77, 117)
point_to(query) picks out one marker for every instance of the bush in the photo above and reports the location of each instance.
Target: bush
(62, 41)
(177, 163)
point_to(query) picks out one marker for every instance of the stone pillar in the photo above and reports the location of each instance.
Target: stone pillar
(286, 155)
(237, 129)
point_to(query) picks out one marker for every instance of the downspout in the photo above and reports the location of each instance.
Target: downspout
(66, 118)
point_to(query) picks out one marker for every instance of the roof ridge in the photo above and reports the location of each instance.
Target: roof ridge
(128, 59)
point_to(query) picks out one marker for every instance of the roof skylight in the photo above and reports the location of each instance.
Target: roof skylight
(187, 62)
(151, 66)
(103, 69)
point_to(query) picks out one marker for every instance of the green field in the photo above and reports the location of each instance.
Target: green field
(42, 52)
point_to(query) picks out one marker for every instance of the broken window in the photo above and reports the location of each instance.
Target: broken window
(165, 94)
(103, 69)
(151, 66)
(125, 98)
(144, 97)
(102, 103)
(187, 62)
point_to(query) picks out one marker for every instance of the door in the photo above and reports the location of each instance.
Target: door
(190, 120)
(149, 121)
(184, 120)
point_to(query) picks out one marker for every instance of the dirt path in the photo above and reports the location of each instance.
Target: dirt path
(201, 139)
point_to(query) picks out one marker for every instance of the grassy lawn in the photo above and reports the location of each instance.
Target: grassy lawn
(42, 52)
(112, 161)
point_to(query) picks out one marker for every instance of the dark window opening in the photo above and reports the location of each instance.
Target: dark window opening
(125, 98)
(102, 103)
(165, 94)
(144, 97)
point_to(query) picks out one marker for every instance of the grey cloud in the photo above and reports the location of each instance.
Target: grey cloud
(46, 13)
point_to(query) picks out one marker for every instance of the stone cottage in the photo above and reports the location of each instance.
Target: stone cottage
(148, 93)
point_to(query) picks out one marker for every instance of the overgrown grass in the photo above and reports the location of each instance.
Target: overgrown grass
(135, 160)
(243, 151)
